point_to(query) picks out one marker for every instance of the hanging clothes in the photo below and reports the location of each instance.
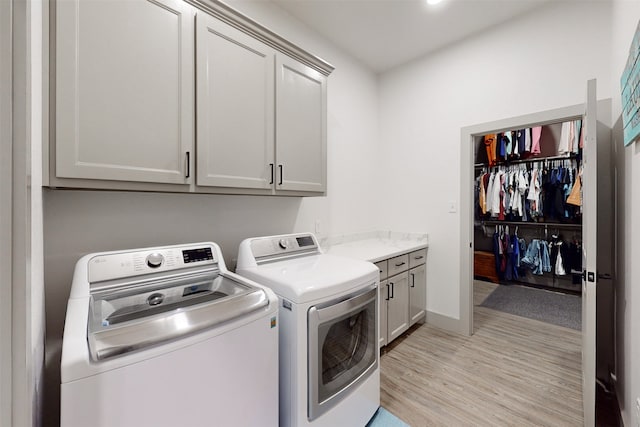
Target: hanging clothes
(578, 144)
(482, 196)
(490, 145)
(575, 197)
(515, 256)
(565, 138)
(508, 144)
(536, 133)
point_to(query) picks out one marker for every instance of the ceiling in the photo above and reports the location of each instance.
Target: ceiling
(386, 33)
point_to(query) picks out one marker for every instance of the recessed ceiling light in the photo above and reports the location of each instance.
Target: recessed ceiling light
(432, 2)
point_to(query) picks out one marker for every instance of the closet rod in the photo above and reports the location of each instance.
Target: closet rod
(532, 224)
(529, 160)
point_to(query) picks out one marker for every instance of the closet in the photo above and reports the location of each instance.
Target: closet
(528, 206)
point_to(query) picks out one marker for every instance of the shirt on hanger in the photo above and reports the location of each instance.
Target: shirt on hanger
(565, 138)
(536, 132)
(490, 145)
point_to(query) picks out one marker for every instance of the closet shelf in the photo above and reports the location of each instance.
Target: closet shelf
(532, 224)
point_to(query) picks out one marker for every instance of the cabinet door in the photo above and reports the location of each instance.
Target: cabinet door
(124, 90)
(383, 299)
(398, 306)
(301, 122)
(417, 293)
(235, 87)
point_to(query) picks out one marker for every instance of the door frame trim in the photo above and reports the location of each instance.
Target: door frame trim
(6, 208)
(466, 243)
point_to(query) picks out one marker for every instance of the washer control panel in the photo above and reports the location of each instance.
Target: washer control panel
(118, 265)
(276, 246)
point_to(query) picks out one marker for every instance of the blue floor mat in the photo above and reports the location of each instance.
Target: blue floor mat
(384, 418)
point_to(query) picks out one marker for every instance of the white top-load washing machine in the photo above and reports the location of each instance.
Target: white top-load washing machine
(329, 359)
(166, 336)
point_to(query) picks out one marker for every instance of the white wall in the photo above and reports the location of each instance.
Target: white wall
(352, 119)
(624, 21)
(80, 222)
(534, 63)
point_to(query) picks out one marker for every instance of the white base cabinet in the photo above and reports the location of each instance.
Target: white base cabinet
(397, 306)
(417, 293)
(402, 295)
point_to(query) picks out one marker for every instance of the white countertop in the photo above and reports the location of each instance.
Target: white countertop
(375, 246)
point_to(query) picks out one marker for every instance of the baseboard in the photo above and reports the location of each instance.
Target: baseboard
(445, 322)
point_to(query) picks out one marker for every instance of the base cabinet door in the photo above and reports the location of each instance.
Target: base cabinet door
(383, 299)
(124, 95)
(301, 116)
(398, 306)
(417, 293)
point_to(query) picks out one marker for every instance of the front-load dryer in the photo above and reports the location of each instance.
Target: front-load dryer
(329, 358)
(166, 336)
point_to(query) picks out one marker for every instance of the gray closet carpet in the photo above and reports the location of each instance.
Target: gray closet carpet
(546, 306)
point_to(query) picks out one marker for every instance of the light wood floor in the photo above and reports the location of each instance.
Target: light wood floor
(512, 372)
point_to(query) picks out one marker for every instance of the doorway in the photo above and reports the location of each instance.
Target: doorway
(470, 138)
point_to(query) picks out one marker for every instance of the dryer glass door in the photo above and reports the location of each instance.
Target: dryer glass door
(342, 348)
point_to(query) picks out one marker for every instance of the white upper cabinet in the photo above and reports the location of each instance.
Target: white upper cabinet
(235, 110)
(124, 90)
(136, 81)
(301, 122)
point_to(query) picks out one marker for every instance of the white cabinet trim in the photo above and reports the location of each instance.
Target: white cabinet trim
(243, 23)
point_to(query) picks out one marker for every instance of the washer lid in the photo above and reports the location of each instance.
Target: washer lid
(309, 278)
(157, 312)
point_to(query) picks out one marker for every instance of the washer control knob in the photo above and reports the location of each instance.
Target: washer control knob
(155, 260)
(283, 243)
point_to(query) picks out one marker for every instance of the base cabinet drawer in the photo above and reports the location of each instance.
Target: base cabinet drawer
(398, 264)
(417, 258)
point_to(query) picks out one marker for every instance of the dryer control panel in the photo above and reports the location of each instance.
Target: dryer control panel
(268, 248)
(118, 265)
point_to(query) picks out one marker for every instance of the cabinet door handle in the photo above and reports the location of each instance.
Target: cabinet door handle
(413, 280)
(272, 171)
(281, 168)
(401, 264)
(419, 257)
(387, 298)
(391, 289)
(188, 165)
